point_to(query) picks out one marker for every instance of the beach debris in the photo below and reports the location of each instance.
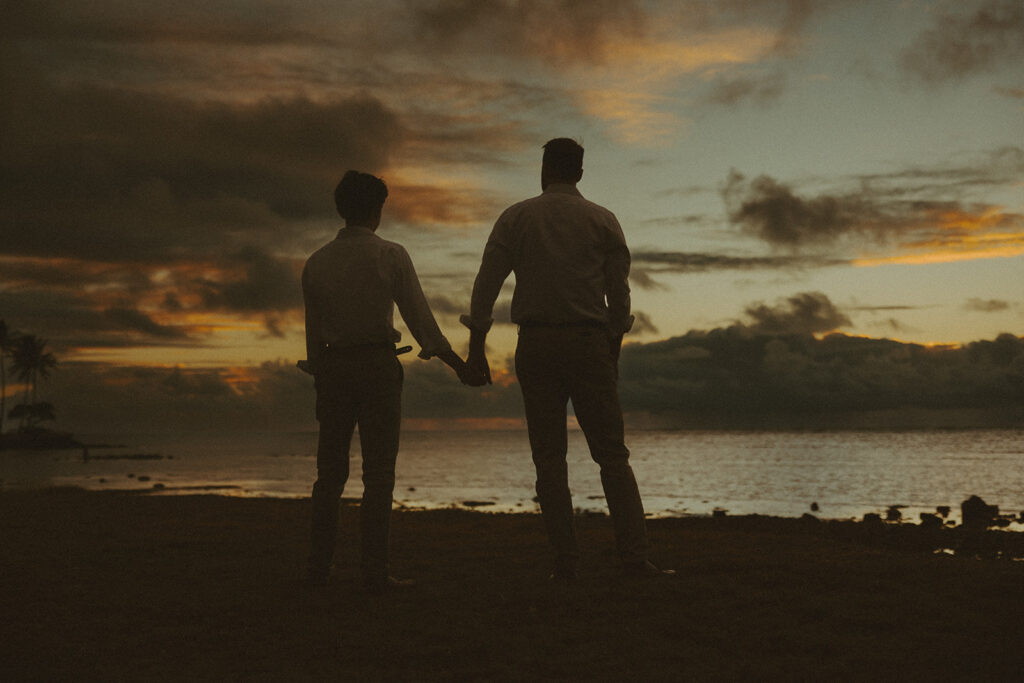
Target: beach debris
(814, 507)
(158, 487)
(943, 510)
(477, 503)
(893, 514)
(719, 512)
(411, 489)
(977, 514)
(143, 478)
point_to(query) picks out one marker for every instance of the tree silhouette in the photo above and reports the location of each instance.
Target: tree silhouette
(30, 362)
(7, 339)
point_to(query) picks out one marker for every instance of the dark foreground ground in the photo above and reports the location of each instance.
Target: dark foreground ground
(108, 586)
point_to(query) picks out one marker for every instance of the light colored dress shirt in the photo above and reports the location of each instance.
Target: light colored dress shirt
(570, 259)
(350, 287)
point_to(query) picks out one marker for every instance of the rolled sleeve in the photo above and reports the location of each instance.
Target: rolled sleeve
(616, 275)
(412, 305)
(494, 268)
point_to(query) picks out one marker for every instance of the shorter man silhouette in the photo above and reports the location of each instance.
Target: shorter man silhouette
(571, 302)
(350, 287)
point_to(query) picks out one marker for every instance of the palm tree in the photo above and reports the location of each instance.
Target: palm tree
(7, 339)
(30, 362)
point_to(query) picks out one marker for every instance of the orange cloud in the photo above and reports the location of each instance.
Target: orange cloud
(960, 236)
(635, 118)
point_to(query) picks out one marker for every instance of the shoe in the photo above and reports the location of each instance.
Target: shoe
(379, 586)
(645, 570)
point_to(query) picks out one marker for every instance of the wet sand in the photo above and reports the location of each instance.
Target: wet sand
(135, 587)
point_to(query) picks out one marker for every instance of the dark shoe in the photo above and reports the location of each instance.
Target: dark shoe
(645, 570)
(379, 586)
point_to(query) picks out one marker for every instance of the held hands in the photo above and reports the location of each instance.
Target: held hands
(470, 374)
(477, 371)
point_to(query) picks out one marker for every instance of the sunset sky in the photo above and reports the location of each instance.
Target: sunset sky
(167, 168)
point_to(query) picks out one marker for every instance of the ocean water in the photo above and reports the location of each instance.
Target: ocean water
(847, 474)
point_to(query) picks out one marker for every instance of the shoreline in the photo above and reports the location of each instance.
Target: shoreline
(944, 516)
(103, 585)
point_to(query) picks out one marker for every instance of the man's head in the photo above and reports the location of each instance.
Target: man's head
(562, 163)
(360, 198)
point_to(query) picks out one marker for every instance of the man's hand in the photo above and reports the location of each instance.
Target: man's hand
(468, 374)
(478, 372)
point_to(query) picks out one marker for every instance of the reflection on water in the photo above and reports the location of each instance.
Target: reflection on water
(847, 474)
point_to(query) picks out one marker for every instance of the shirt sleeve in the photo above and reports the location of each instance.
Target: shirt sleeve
(314, 335)
(494, 269)
(413, 306)
(616, 277)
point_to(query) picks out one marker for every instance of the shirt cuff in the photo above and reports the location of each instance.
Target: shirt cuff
(476, 324)
(627, 326)
(428, 352)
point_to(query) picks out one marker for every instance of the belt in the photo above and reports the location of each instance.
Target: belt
(342, 350)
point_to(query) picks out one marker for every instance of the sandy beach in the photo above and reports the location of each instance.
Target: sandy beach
(102, 586)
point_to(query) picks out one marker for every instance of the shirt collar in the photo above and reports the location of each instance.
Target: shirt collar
(562, 188)
(354, 230)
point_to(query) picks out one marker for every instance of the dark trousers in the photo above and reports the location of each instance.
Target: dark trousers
(555, 365)
(364, 387)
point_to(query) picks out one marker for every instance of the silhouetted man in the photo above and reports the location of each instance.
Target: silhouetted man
(350, 287)
(571, 303)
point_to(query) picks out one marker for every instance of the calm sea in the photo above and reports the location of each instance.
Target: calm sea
(847, 474)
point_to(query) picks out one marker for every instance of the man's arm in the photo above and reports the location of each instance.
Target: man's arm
(616, 275)
(314, 336)
(495, 266)
(415, 311)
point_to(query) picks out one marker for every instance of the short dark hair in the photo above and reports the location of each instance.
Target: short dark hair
(359, 196)
(563, 157)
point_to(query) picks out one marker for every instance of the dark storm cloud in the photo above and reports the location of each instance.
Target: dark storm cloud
(718, 375)
(919, 203)
(262, 283)
(730, 372)
(986, 305)
(984, 37)
(770, 210)
(72, 320)
(96, 397)
(132, 320)
(805, 313)
(112, 174)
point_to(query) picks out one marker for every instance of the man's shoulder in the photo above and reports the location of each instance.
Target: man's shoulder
(561, 197)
